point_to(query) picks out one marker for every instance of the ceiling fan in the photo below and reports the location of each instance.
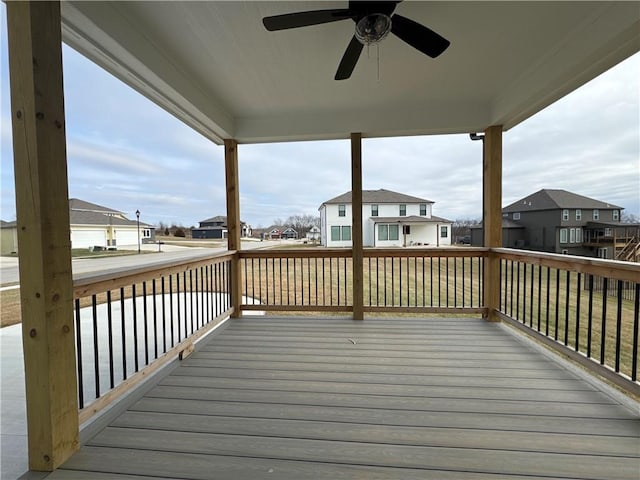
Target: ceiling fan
(374, 20)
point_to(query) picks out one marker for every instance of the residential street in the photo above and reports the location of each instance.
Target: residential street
(9, 265)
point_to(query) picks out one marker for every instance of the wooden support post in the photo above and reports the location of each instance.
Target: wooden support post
(42, 203)
(356, 229)
(233, 221)
(492, 216)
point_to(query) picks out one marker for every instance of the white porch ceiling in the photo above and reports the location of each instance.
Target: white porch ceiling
(214, 65)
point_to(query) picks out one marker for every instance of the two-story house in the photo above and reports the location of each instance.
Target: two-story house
(389, 219)
(559, 221)
(216, 227)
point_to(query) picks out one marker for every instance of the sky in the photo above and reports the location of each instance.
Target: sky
(126, 153)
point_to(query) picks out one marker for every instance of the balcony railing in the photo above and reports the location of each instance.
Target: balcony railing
(130, 323)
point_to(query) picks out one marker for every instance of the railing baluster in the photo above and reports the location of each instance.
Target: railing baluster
(178, 319)
(79, 354)
(566, 309)
(110, 340)
(135, 328)
(184, 298)
(146, 323)
(164, 316)
(155, 318)
(260, 281)
(96, 359)
(124, 335)
(555, 335)
(590, 316)
(618, 326)
(636, 321)
(295, 283)
(578, 286)
(603, 325)
(539, 295)
(531, 282)
(546, 328)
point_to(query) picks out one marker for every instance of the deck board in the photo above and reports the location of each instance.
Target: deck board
(297, 398)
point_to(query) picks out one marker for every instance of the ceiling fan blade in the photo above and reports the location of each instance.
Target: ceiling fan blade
(349, 59)
(303, 19)
(418, 36)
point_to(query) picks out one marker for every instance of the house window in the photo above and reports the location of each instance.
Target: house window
(342, 210)
(602, 253)
(383, 232)
(403, 210)
(346, 233)
(406, 229)
(607, 232)
(335, 233)
(596, 214)
(516, 216)
(388, 232)
(572, 235)
(578, 214)
(565, 214)
(563, 235)
(146, 233)
(616, 215)
(578, 235)
(444, 232)
(374, 210)
(423, 209)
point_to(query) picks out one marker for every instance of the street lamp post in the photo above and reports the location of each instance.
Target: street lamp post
(138, 219)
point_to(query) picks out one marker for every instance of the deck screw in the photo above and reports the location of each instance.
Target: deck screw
(47, 458)
(37, 294)
(58, 123)
(19, 114)
(56, 297)
(32, 333)
(39, 115)
(66, 329)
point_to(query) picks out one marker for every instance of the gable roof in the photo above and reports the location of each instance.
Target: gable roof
(82, 205)
(378, 196)
(82, 217)
(549, 199)
(218, 218)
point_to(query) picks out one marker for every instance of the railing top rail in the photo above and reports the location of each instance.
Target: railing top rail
(426, 252)
(97, 282)
(617, 269)
(322, 252)
(319, 252)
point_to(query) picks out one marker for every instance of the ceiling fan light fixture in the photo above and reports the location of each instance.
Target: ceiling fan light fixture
(373, 28)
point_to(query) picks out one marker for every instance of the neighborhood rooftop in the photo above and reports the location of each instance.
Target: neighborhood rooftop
(549, 199)
(82, 205)
(379, 196)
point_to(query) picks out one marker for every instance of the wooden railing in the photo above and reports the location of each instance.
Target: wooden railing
(395, 280)
(129, 323)
(589, 307)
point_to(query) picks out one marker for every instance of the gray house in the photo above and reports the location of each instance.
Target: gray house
(216, 227)
(559, 221)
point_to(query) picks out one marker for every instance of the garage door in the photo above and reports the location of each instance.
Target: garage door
(126, 237)
(88, 238)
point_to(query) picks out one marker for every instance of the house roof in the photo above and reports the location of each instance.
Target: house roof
(219, 218)
(81, 217)
(82, 205)
(378, 196)
(198, 61)
(410, 219)
(4, 224)
(549, 199)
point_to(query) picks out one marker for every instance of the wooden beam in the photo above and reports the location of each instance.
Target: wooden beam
(492, 216)
(356, 229)
(233, 221)
(42, 203)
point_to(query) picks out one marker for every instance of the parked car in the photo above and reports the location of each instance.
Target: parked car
(466, 240)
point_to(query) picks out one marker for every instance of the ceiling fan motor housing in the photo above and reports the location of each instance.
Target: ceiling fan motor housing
(373, 28)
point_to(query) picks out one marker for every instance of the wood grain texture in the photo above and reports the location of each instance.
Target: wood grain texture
(233, 220)
(42, 207)
(356, 230)
(293, 399)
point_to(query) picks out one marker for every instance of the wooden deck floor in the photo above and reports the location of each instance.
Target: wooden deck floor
(294, 398)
